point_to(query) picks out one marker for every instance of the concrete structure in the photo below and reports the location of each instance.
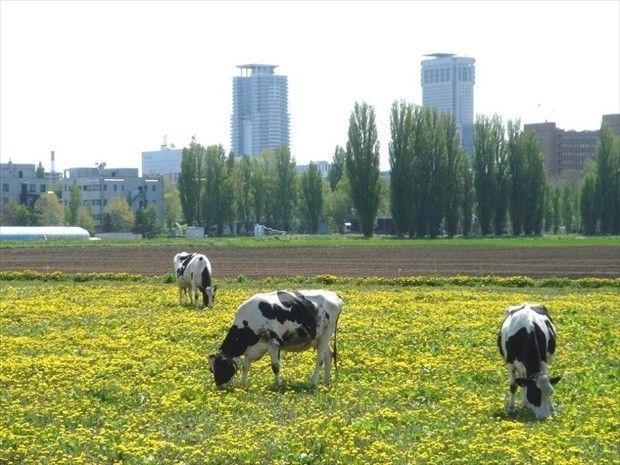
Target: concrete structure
(323, 167)
(20, 183)
(165, 162)
(99, 185)
(448, 85)
(260, 118)
(566, 152)
(614, 122)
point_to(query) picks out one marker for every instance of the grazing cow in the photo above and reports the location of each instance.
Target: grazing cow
(526, 341)
(193, 273)
(275, 321)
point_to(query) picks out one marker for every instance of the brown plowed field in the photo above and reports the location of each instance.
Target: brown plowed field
(227, 262)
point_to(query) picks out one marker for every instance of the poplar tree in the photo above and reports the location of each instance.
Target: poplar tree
(312, 197)
(336, 169)
(401, 165)
(607, 181)
(362, 165)
(485, 172)
(191, 184)
(285, 187)
(517, 178)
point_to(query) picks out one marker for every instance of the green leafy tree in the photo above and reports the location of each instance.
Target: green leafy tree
(456, 169)
(588, 205)
(339, 206)
(191, 183)
(16, 214)
(607, 180)
(75, 200)
(243, 189)
(438, 179)
(173, 213)
(312, 197)
(536, 184)
(517, 175)
(567, 208)
(362, 165)
(468, 202)
(285, 188)
(40, 171)
(336, 169)
(555, 195)
(485, 172)
(85, 220)
(401, 165)
(422, 171)
(502, 176)
(146, 222)
(49, 211)
(214, 200)
(261, 186)
(118, 216)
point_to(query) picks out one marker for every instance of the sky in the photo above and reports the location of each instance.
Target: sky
(104, 81)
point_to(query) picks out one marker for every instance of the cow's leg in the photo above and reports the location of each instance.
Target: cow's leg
(180, 295)
(246, 368)
(513, 389)
(274, 352)
(323, 357)
(194, 296)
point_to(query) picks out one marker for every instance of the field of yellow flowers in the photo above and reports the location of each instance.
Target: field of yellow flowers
(116, 372)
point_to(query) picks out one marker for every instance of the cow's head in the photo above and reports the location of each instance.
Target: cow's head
(208, 296)
(223, 368)
(537, 394)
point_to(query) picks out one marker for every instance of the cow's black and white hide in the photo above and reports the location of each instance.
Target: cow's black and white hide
(193, 272)
(279, 321)
(526, 341)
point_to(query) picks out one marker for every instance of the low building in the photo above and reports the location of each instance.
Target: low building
(21, 184)
(99, 185)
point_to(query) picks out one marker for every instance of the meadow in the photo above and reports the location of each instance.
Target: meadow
(115, 371)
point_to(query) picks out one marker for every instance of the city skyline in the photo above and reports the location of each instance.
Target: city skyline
(106, 81)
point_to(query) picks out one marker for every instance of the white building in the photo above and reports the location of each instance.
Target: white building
(165, 162)
(99, 185)
(448, 85)
(260, 118)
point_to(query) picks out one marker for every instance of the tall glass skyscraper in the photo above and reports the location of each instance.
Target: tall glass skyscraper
(260, 119)
(448, 85)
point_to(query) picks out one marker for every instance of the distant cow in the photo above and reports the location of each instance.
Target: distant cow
(526, 341)
(280, 320)
(193, 272)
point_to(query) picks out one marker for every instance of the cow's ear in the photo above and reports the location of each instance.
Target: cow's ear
(214, 289)
(524, 382)
(554, 380)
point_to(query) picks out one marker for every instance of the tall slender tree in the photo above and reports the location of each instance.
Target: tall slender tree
(285, 187)
(362, 165)
(214, 201)
(536, 184)
(607, 181)
(243, 189)
(337, 167)
(517, 175)
(456, 169)
(502, 176)
(485, 173)
(438, 179)
(191, 182)
(312, 197)
(401, 165)
(468, 202)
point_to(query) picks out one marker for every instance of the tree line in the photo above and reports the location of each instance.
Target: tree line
(435, 189)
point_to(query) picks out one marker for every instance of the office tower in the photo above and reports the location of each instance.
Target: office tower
(260, 119)
(448, 85)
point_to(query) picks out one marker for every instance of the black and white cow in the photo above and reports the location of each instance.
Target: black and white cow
(276, 321)
(526, 341)
(193, 273)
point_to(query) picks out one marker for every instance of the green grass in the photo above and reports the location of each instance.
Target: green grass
(337, 240)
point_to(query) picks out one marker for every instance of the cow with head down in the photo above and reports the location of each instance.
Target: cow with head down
(526, 341)
(193, 272)
(275, 322)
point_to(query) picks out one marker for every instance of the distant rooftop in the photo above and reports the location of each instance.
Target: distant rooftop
(440, 55)
(255, 68)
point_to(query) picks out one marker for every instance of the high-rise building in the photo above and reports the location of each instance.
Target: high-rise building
(260, 118)
(448, 85)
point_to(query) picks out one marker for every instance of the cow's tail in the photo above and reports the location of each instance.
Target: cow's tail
(335, 351)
